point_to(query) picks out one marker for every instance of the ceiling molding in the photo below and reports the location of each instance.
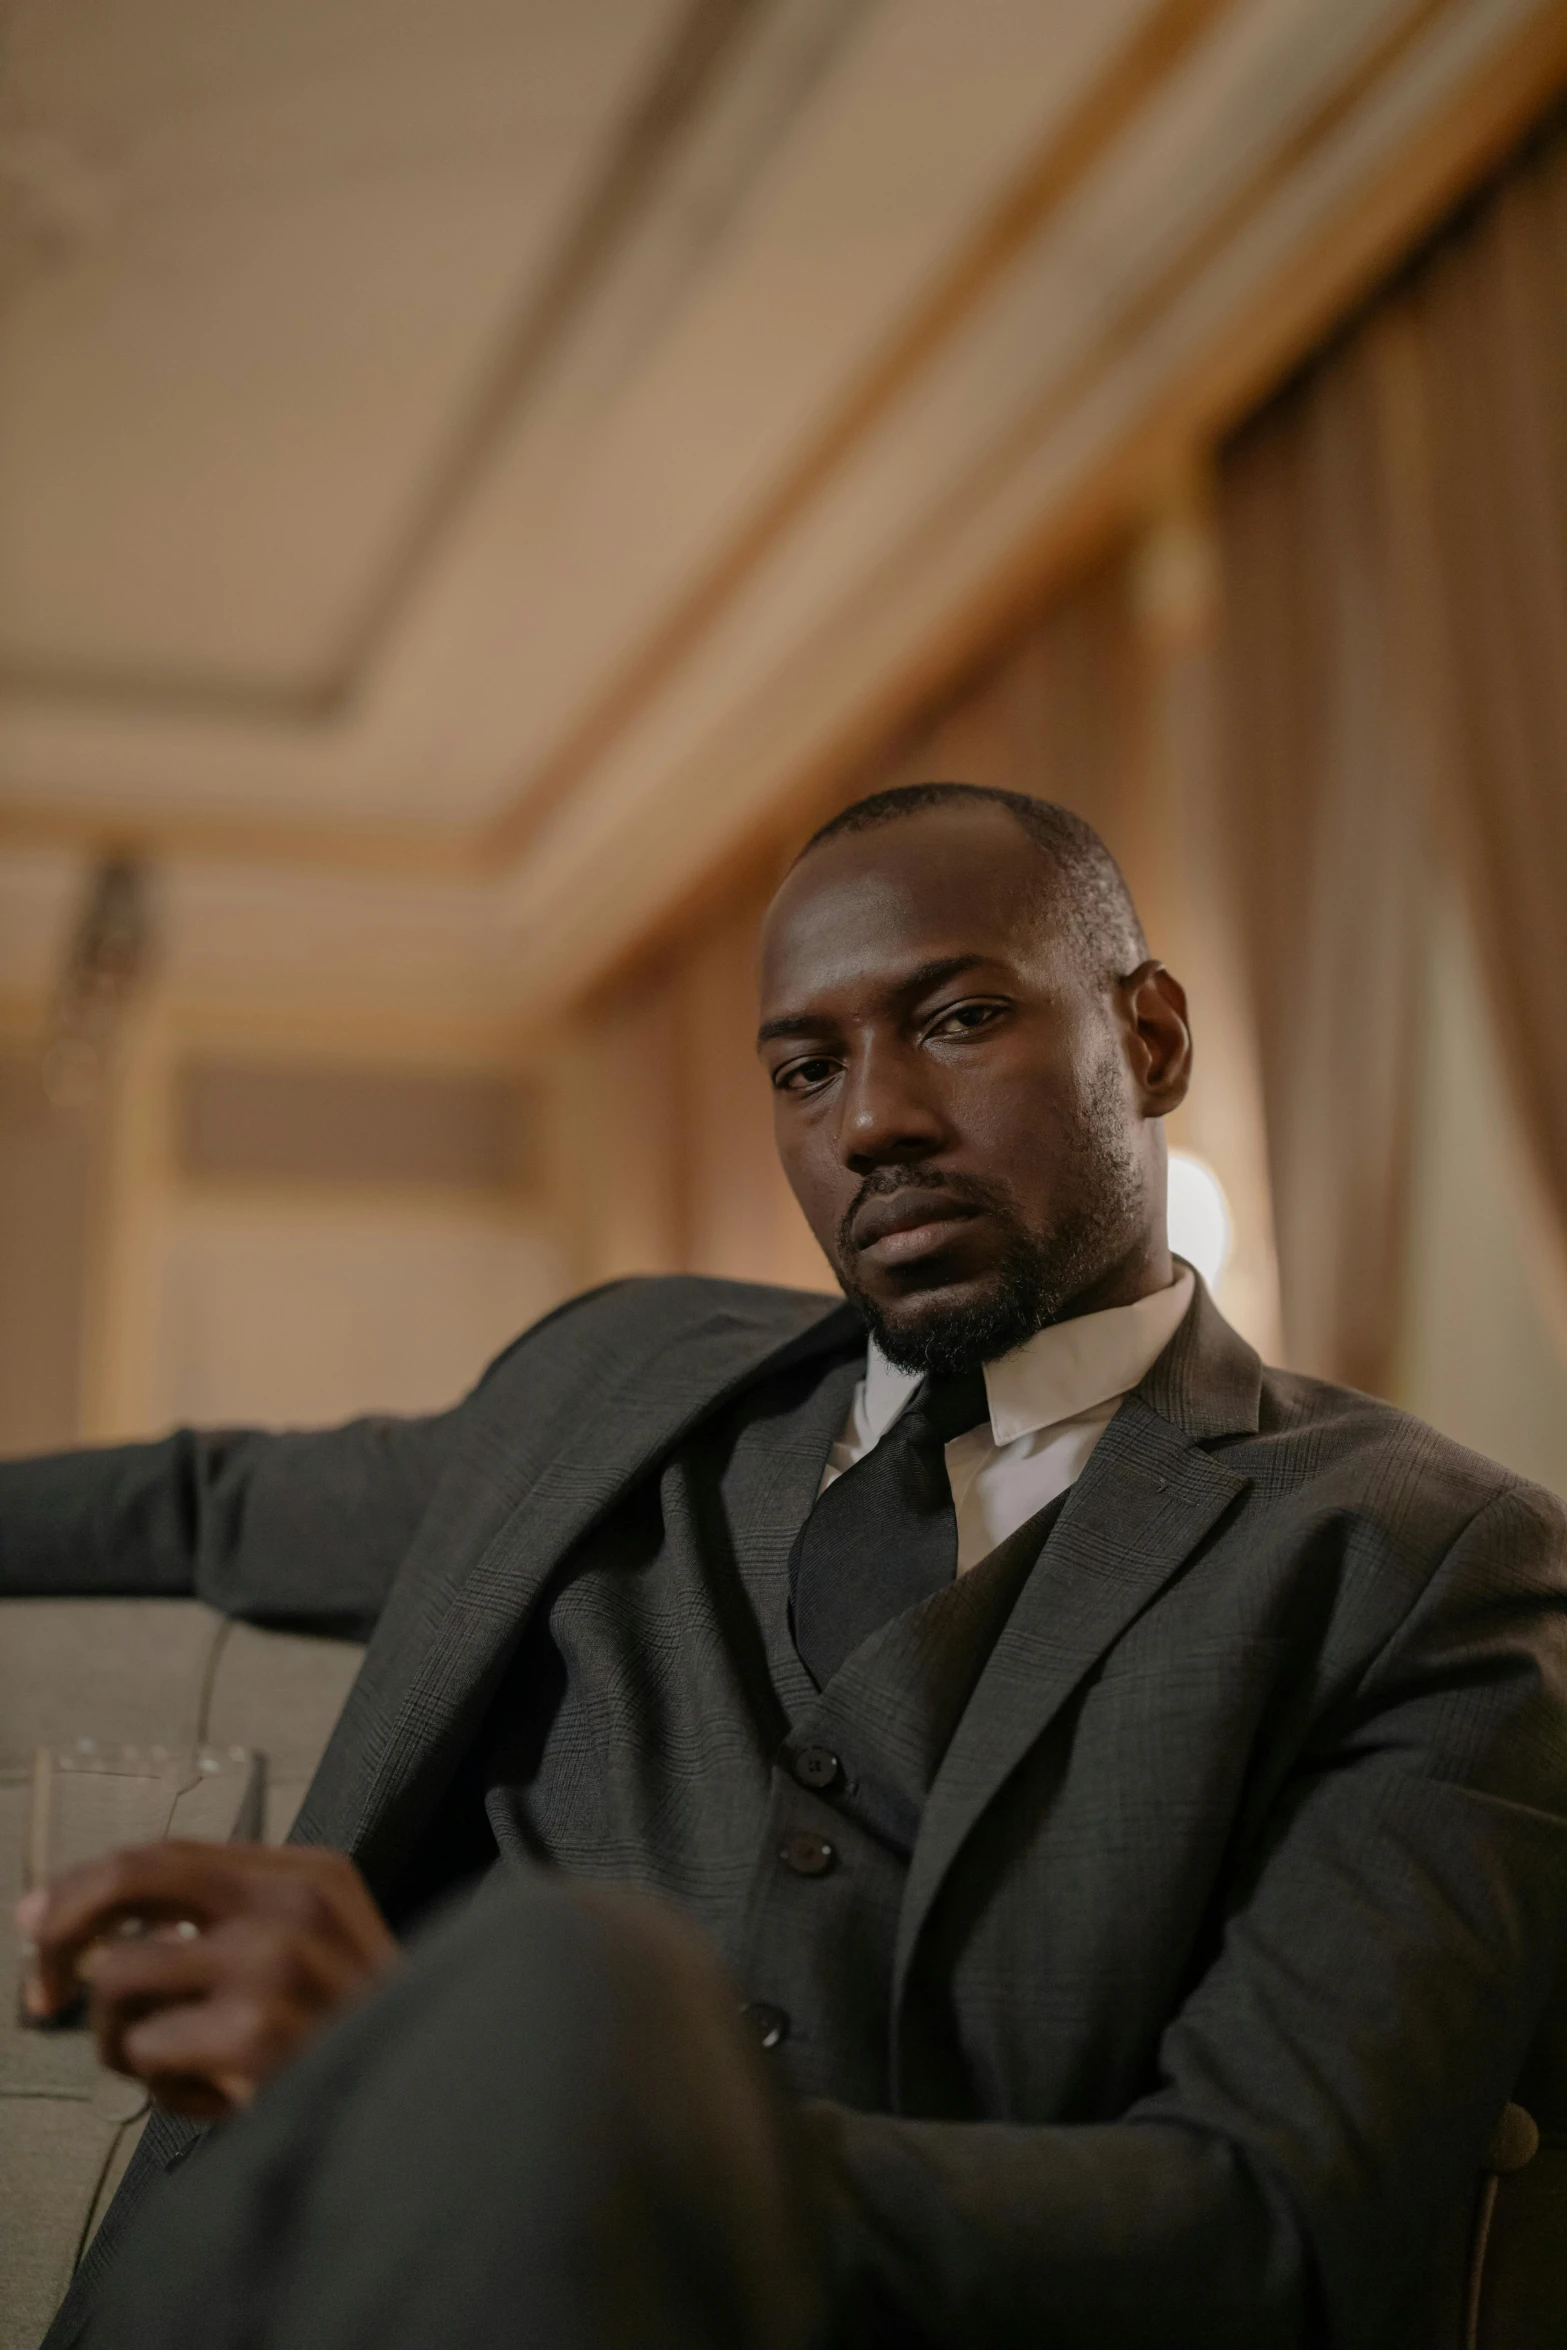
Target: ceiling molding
(792, 42)
(1159, 297)
(1348, 257)
(1386, 223)
(426, 851)
(1367, 233)
(1339, 263)
(1106, 111)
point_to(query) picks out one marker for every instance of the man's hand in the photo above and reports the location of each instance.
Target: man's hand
(206, 1966)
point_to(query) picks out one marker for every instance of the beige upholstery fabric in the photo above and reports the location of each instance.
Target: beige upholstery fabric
(138, 1672)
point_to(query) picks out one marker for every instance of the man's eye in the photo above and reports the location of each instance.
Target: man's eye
(963, 1019)
(804, 1076)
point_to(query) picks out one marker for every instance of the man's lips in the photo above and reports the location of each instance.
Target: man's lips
(910, 1224)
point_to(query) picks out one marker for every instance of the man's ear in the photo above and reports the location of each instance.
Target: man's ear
(1159, 1037)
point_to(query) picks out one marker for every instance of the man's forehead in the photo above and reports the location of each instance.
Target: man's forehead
(848, 916)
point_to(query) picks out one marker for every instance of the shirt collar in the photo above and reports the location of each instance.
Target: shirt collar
(1057, 1374)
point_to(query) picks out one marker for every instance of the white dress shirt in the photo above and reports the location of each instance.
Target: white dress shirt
(1050, 1402)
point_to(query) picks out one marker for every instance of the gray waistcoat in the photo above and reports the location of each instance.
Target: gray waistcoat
(798, 1809)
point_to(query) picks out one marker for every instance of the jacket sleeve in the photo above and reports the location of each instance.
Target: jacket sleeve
(1324, 2095)
(306, 1529)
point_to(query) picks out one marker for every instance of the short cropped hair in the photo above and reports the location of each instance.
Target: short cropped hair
(1088, 884)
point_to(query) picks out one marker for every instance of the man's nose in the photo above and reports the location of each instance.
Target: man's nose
(887, 1113)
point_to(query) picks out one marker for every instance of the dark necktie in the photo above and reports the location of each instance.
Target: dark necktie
(885, 1533)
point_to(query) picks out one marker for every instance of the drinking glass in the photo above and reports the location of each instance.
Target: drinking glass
(88, 1799)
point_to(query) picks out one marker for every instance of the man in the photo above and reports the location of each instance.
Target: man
(1106, 1803)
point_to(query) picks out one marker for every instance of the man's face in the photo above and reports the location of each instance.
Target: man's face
(966, 1116)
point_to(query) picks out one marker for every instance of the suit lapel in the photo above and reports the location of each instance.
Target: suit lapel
(772, 1484)
(1146, 1499)
(522, 1493)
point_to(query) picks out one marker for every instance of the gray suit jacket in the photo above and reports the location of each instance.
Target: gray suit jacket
(1242, 1884)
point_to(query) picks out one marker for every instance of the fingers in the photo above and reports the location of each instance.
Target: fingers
(63, 1917)
(140, 1886)
(207, 1966)
(205, 2023)
(127, 1980)
(268, 1982)
(207, 2059)
(319, 1894)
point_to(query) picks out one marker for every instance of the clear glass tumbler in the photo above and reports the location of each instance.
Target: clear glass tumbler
(89, 1799)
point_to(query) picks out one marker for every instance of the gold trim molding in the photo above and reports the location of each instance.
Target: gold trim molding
(1343, 261)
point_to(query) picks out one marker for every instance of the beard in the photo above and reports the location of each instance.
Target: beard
(1037, 1276)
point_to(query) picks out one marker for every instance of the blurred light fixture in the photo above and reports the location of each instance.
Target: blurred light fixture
(1201, 1228)
(109, 957)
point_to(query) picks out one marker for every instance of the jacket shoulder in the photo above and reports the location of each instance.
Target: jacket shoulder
(643, 1314)
(1356, 1450)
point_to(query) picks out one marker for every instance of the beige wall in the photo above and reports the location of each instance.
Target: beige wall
(305, 1311)
(140, 1288)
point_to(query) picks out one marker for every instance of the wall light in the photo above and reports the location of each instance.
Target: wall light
(1201, 1227)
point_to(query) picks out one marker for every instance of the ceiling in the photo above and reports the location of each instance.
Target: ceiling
(486, 451)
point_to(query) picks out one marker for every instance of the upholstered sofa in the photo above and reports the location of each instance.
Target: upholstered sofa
(171, 1673)
(142, 1673)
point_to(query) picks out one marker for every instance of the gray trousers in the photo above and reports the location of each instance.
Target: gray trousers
(549, 2131)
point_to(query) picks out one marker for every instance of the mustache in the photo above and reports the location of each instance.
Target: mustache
(887, 1182)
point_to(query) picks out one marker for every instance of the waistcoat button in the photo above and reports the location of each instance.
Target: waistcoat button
(817, 1767)
(770, 2024)
(808, 1856)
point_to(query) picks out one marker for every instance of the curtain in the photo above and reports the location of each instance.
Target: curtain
(1490, 318)
(1319, 820)
(1392, 676)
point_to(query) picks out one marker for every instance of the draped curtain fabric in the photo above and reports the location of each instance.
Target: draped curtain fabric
(1320, 819)
(1490, 316)
(1392, 679)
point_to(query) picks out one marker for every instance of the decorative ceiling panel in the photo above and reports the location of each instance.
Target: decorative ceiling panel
(220, 399)
(522, 441)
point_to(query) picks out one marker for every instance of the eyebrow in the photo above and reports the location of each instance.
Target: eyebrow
(918, 983)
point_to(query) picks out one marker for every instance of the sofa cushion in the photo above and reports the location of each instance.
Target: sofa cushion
(122, 1672)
